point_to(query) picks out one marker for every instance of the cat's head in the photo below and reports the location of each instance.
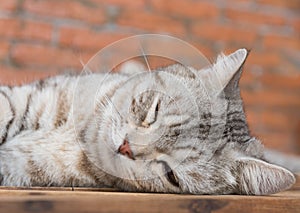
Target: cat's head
(183, 130)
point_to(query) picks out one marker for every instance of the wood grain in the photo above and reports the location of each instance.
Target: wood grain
(109, 200)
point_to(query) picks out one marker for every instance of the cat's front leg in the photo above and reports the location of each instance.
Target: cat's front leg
(43, 158)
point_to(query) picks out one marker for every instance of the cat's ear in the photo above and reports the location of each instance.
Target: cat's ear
(225, 73)
(132, 67)
(232, 88)
(257, 177)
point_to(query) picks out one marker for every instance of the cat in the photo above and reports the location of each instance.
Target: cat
(173, 130)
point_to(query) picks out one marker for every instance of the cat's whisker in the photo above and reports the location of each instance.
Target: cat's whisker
(113, 107)
(82, 63)
(145, 58)
(87, 71)
(103, 106)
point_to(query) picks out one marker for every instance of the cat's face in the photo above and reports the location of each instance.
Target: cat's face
(184, 131)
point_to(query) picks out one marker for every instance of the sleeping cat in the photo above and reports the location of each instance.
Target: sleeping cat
(173, 130)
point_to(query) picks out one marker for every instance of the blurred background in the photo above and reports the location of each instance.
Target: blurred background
(39, 38)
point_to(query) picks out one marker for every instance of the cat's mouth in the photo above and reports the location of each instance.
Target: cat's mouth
(125, 149)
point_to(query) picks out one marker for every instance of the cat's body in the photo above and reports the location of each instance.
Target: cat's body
(176, 130)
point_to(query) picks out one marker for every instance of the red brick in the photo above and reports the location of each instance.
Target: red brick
(281, 141)
(10, 5)
(243, 16)
(13, 76)
(286, 68)
(271, 98)
(248, 78)
(278, 120)
(151, 22)
(281, 81)
(85, 56)
(264, 59)
(189, 9)
(253, 118)
(4, 49)
(137, 4)
(29, 30)
(226, 33)
(38, 55)
(9, 27)
(66, 9)
(240, 2)
(296, 25)
(87, 39)
(157, 62)
(204, 49)
(281, 42)
(272, 120)
(292, 4)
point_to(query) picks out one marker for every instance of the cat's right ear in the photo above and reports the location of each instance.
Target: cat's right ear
(256, 177)
(224, 73)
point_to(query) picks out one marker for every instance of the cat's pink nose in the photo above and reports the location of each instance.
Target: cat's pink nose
(124, 149)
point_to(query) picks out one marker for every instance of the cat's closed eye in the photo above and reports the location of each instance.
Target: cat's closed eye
(152, 114)
(157, 107)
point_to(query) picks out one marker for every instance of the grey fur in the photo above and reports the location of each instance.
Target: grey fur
(186, 128)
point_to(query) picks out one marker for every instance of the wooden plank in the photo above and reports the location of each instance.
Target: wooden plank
(68, 201)
(93, 200)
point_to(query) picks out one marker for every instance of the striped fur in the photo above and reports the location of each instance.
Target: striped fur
(186, 128)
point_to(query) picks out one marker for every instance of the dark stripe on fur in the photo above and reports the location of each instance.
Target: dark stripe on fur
(38, 115)
(25, 114)
(9, 123)
(1, 179)
(62, 110)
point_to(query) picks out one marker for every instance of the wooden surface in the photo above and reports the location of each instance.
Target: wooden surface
(92, 200)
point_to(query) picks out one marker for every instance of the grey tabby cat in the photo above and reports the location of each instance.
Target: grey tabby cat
(193, 138)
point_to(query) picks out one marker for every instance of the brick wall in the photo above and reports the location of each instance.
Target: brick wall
(42, 37)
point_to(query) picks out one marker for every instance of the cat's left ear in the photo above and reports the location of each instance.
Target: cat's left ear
(225, 73)
(257, 177)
